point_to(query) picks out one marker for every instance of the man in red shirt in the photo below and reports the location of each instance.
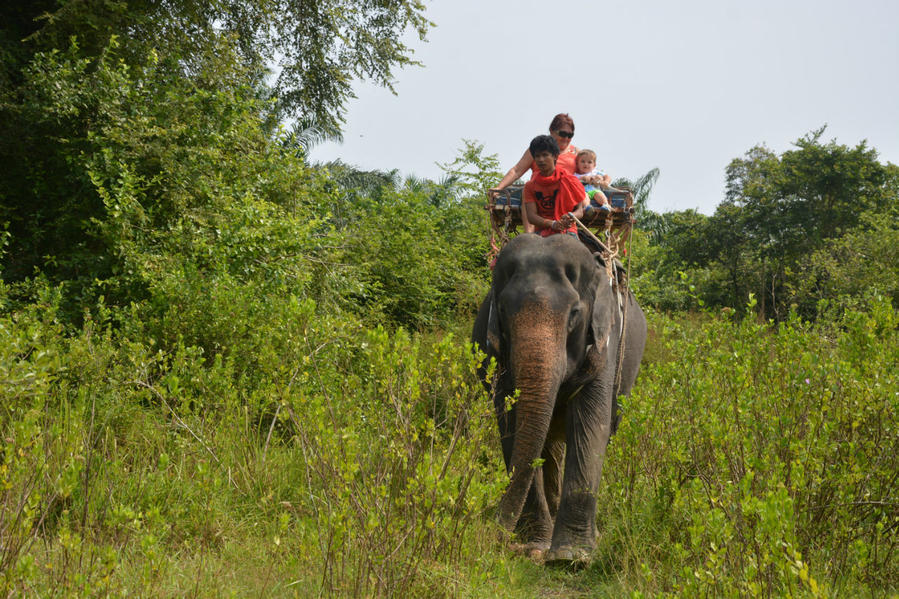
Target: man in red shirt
(552, 195)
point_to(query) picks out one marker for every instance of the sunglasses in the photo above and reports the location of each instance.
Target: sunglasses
(567, 134)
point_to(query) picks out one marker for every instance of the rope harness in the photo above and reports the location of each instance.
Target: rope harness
(622, 291)
(499, 231)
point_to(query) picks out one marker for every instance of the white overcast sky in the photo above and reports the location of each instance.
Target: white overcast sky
(685, 86)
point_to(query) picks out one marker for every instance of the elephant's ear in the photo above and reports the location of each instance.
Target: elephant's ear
(603, 306)
(494, 336)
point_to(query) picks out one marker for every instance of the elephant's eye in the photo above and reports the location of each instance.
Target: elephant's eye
(573, 317)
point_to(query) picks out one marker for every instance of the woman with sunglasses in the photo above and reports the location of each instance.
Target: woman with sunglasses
(562, 130)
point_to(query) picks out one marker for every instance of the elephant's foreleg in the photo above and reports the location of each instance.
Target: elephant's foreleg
(553, 460)
(588, 426)
(535, 525)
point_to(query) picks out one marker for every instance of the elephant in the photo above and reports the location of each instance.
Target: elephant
(551, 320)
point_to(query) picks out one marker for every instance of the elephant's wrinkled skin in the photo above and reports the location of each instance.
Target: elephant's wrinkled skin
(552, 321)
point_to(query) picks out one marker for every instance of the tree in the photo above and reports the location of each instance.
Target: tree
(641, 187)
(779, 210)
(307, 132)
(472, 171)
(792, 203)
(74, 73)
(317, 46)
(815, 222)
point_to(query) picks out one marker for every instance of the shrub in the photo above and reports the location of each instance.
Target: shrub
(760, 461)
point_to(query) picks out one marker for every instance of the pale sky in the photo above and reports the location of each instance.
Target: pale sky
(683, 86)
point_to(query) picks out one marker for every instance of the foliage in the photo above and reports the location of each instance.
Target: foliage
(158, 157)
(185, 200)
(308, 132)
(356, 461)
(475, 172)
(226, 371)
(191, 74)
(415, 247)
(782, 208)
(758, 461)
(787, 225)
(401, 490)
(852, 269)
(319, 47)
(415, 260)
(793, 202)
(352, 459)
(641, 187)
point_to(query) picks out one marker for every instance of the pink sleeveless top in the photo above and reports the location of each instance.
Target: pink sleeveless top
(567, 160)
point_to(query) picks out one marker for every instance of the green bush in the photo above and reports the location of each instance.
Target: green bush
(349, 460)
(755, 460)
(853, 269)
(397, 463)
(419, 264)
(752, 460)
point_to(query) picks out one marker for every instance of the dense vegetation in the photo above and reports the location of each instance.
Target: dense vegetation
(225, 370)
(813, 228)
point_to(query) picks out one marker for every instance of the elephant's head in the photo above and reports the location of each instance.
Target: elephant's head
(549, 323)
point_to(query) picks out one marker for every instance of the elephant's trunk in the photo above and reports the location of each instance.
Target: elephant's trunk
(537, 363)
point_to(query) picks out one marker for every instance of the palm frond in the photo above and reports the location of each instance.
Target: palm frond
(641, 187)
(308, 132)
(358, 182)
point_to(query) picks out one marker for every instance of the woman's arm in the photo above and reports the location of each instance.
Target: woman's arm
(515, 173)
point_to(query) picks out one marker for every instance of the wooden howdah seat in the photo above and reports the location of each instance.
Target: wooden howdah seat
(607, 230)
(505, 210)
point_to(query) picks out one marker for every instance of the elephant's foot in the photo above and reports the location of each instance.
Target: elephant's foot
(534, 529)
(531, 534)
(568, 557)
(533, 551)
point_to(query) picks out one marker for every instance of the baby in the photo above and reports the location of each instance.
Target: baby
(592, 178)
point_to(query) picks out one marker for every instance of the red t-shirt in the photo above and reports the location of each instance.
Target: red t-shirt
(551, 204)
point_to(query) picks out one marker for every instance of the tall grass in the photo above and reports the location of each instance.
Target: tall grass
(752, 460)
(759, 461)
(351, 465)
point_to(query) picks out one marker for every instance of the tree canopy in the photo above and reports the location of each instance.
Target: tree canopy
(156, 90)
(790, 229)
(317, 48)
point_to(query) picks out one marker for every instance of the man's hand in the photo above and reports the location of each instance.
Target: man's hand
(567, 220)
